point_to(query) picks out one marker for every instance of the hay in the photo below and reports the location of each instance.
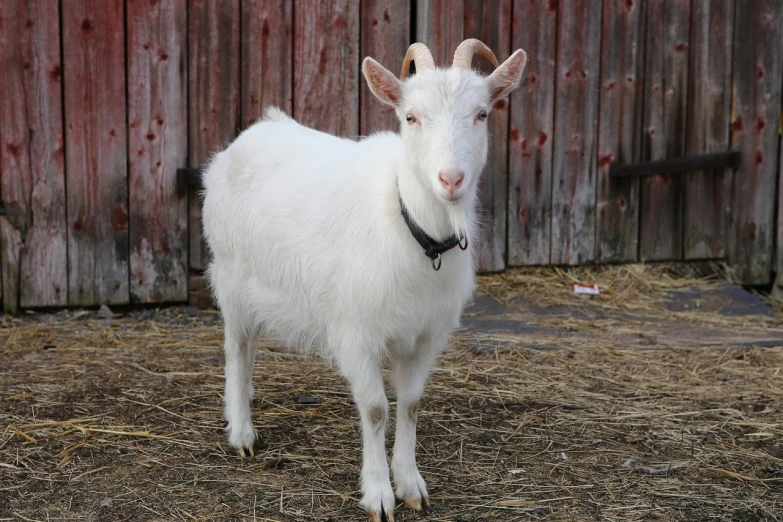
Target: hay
(626, 415)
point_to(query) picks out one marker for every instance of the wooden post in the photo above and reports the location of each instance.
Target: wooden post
(490, 22)
(619, 130)
(213, 65)
(96, 151)
(755, 107)
(32, 177)
(706, 212)
(157, 141)
(576, 131)
(267, 57)
(385, 28)
(530, 136)
(666, 93)
(326, 66)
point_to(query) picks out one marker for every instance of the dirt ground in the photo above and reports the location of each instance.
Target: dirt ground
(660, 399)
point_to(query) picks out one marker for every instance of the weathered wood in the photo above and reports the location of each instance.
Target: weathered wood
(157, 141)
(440, 26)
(213, 100)
(490, 22)
(96, 158)
(706, 213)
(199, 293)
(756, 102)
(576, 130)
(619, 130)
(267, 57)
(32, 178)
(385, 31)
(326, 66)
(666, 93)
(530, 136)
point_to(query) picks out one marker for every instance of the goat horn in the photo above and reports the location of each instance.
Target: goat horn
(463, 56)
(420, 54)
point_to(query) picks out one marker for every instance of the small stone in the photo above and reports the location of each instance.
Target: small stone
(105, 311)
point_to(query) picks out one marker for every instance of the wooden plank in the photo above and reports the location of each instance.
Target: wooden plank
(267, 57)
(385, 28)
(756, 102)
(32, 175)
(490, 22)
(213, 99)
(326, 66)
(440, 26)
(619, 130)
(530, 136)
(96, 159)
(666, 92)
(157, 140)
(576, 129)
(706, 216)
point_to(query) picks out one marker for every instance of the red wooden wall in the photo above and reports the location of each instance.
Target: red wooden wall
(101, 102)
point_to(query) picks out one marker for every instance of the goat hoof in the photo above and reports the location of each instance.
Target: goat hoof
(378, 501)
(414, 503)
(411, 489)
(245, 452)
(380, 517)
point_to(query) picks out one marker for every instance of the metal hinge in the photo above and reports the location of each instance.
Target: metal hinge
(187, 178)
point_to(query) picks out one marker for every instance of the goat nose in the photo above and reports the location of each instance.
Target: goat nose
(451, 181)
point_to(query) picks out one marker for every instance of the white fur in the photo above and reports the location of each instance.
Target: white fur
(309, 246)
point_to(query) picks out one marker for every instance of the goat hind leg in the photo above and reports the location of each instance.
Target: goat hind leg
(241, 434)
(250, 359)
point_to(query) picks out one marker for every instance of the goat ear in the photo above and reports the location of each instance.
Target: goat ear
(506, 77)
(382, 83)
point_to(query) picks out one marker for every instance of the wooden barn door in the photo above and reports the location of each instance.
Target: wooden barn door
(617, 83)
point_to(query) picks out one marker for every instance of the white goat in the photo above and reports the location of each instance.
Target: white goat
(318, 240)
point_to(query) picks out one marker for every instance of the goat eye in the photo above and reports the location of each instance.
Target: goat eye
(409, 118)
(482, 115)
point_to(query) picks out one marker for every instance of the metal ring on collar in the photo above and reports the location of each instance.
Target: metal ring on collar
(434, 266)
(466, 242)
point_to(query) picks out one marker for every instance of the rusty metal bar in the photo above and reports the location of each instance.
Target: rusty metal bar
(718, 160)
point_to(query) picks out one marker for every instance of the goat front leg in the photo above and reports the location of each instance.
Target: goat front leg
(409, 376)
(364, 372)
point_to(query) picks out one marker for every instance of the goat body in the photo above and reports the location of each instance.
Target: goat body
(309, 245)
(309, 242)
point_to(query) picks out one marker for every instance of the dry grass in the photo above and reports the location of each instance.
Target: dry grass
(622, 410)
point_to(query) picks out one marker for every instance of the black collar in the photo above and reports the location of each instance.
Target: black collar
(432, 249)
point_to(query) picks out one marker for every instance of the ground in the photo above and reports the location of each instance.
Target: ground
(660, 399)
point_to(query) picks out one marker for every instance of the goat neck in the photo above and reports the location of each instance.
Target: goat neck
(438, 218)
